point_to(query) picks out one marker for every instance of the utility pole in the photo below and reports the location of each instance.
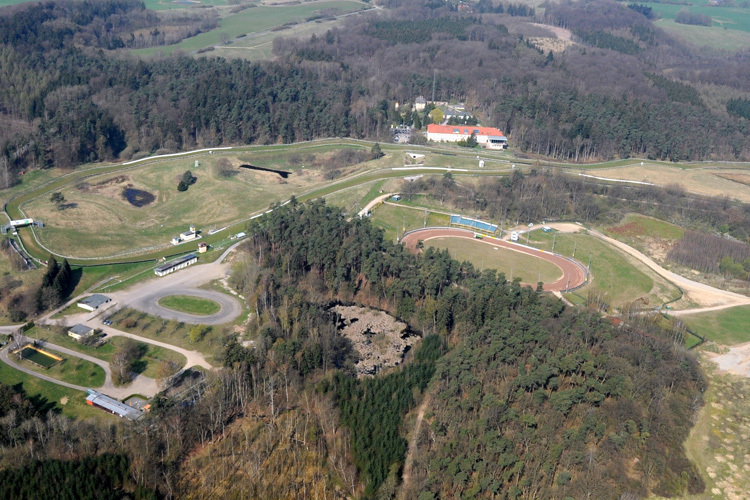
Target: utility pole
(575, 244)
(554, 238)
(588, 268)
(434, 76)
(425, 218)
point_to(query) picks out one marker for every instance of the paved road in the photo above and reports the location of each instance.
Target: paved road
(140, 385)
(573, 274)
(145, 296)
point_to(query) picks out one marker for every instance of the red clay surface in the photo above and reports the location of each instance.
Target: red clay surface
(573, 274)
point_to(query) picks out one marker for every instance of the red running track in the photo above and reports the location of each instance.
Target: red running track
(574, 275)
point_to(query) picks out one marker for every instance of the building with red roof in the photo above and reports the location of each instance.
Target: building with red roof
(490, 137)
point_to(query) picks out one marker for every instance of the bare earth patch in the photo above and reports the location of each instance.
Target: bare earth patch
(736, 361)
(380, 339)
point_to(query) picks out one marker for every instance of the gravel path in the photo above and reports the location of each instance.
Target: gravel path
(573, 274)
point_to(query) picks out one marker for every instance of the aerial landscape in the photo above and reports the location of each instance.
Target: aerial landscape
(375, 249)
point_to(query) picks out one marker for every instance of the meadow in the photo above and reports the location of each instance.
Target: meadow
(190, 305)
(727, 326)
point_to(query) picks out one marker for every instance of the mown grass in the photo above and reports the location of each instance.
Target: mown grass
(485, 256)
(395, 220)
(75, 401)
(71, 370)
(190, 305)
(615, 277)
(727, 326)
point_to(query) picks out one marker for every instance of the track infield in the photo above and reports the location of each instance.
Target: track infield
(573, 274)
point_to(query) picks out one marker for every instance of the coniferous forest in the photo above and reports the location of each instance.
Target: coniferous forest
(528, 398)
(71, 93)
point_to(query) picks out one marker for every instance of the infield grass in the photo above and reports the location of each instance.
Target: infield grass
(485, 256)
(190, 305)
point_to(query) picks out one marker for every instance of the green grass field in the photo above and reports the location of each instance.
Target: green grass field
(616, 277)
(732, 18)
(395, 219)
(72, 403)
(253, 20)
(484, 256)
(190, 305)
(728, 326)
(73, 371)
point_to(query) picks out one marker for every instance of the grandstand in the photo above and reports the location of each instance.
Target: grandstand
(473, 224)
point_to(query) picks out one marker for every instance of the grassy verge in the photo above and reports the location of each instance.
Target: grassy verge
(169, 331)
(190, 305)
(728, 326)
(484, 256)
(72, 403)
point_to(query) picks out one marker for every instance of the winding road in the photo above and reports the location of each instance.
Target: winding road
(574, 274)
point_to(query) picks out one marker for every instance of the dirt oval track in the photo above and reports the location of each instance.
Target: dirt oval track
(573, 276)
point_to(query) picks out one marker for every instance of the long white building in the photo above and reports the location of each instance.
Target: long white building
(490, 137)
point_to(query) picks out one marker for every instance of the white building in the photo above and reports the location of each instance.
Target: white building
(176, 264)
(490, 137)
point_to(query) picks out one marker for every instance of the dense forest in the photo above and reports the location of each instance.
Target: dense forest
(529, 398)
(71, 93)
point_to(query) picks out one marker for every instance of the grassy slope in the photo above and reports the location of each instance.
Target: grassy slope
(617, 277)
(514, 264)
(727, 326)
(394, 219)
(72, 370)
(638, 230)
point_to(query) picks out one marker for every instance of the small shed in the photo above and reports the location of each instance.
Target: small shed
(80, 331)
(396, 197)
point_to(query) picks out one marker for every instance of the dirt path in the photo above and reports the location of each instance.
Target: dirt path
(573, 274)
(409, 461)
(710, 298)
(374, 202)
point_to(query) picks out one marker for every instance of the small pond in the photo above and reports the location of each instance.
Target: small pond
(138, 197)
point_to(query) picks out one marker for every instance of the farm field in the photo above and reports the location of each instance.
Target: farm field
(731, 18)
(727, 326)
(719, 36)
(706, 181)
(190, 305)
(485, 256)
(253, 20)
(616, 277)
(70, 402)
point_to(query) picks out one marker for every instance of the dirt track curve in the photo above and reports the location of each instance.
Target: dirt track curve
(573, 276)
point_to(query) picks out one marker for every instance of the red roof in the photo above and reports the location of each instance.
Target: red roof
(463, 129)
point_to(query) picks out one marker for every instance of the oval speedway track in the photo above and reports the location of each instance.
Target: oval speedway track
(574, 274)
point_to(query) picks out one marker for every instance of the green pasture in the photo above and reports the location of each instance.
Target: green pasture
(253, 20)
(618, 279)
(731, 18)
(485, 256)
(190, 305)
(70, 402)
(727, 326)
(172, 4)
(395, 219)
